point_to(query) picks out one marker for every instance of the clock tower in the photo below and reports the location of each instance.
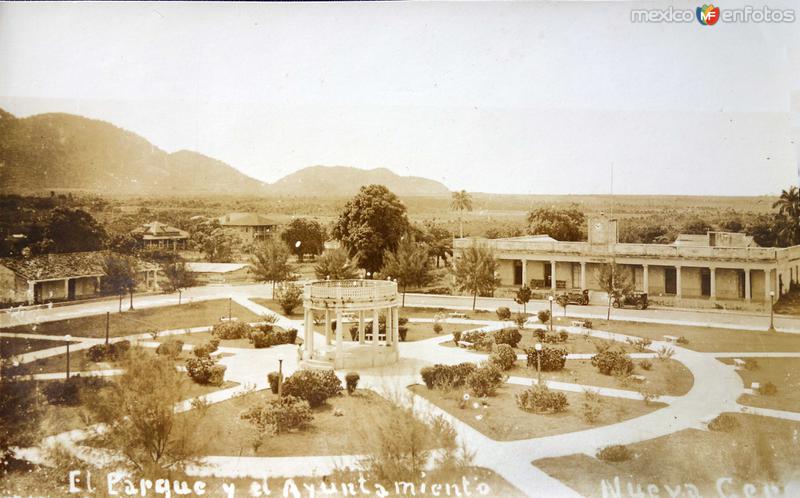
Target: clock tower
(602, 230)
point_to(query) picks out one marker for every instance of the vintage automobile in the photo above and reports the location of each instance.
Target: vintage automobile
(578, 297)
(635, 299)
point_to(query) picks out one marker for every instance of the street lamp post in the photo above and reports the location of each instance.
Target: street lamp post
(550, 298)
(230, 304)
(538, 348)
(771, 311)
(67, 338)
(280, 377)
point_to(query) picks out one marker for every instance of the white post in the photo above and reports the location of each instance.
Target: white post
(361, 327)
(646, 278)
(747, 290)
(375, 329)
(583, 275)
(396, 326)
(338, 359)
(524, 271)
(713, 282)
(327, 327)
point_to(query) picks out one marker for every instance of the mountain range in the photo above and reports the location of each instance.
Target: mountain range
(58, 151)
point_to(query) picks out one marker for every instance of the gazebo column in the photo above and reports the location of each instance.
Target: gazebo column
(376, 326)
(361, 327)
(337, 362)
(327, 327)
(309, 333)
(396, 327)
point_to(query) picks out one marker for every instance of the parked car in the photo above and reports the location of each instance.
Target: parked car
(635, 299)
(578, 297)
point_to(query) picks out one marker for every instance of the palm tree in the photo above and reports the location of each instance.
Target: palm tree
(460, 202)
(789, 210)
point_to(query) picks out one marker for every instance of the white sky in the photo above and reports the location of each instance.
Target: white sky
(513, 98)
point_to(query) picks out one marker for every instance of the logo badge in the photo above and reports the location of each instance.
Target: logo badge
(708, 15)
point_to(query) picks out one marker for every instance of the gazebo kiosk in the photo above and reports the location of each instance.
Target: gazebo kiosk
(351, 302)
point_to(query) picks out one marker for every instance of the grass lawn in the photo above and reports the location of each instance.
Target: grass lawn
(502, 420)
(328, 434)
(273, 305)
(783, 372)
(420, 331)
(789, 303)
(707, 339)
(762, 449)
(198, 338)
(415, 312)
(667, 377)
(12, 346)
(196, 314)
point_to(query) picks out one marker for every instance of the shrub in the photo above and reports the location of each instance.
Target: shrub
(614, 453)
(591, 406)
(646, 364)
(751, 364)
(205, 350)
(552, 359)
(611, 362)
(120, 349)
(280, 415)
(503, 356)
(724, 422)
(63, 392)
(351, 381)
(108, 352)
(314, 386)
(354, 333)
(402, 332)
(540, 334)
(682, 340)
(485, 380)
(447, 376)
(457, 336)
(437, 328)
(481, 340)
(557, 338)
(267, 335)
(199, 369)
(273, 379)
(563, 335)
(520, 319)
(231, 330)
(508, 336)
(540, 399)
(639, 344)
(543, 316)
(768, 389)
(171, 348)
(290, 297)
(503, 313)
(216, 376)
(291, 337)
(665, 353)
(587, 324)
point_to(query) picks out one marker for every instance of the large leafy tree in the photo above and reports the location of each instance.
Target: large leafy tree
(270, 262)
(310, 234)
(73, 230)
(566, 224)
(409, 264)
(616, 281)
(178, 277)
(461, 201)
(335, 265)
(475, 271)
(141, 423)
(439, 241)
(788, 226)
(120, 276)
(371, 223)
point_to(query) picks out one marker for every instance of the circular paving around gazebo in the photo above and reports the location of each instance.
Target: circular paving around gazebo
(352, 303)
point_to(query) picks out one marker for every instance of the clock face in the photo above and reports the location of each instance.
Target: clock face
(598, 226)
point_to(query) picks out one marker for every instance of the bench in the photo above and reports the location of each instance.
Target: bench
(226, 319)
(670, 338)
(755, 386)
(638, 378)
(738, 362)
(465, 344)
(457, 314)
(579, 323)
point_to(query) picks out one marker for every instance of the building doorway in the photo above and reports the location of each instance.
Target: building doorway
(71, 289)
(548, 274)
(670, 281)
(517, 272)
(705, 282)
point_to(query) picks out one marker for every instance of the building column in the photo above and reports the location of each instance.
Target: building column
(646, 278)
(767, 283)
(524, 271)
(66, 288)
(361, 327)
(747, 291)
(678, 282)
(328, 327)
(553, 276)
(337, 362)
(31, 292)
(713, 281)
(583, 275)
(376, 326)
(98, 286)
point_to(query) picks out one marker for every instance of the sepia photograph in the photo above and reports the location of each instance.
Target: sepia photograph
(385, 249)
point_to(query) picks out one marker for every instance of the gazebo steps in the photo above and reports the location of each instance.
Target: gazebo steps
(316, 364)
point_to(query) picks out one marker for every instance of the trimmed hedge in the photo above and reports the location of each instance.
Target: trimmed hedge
(314, 386)
(279, 415)
(614, 453)
(171, 348)
(204, 370)
(273, 379)
(447, 376)
(108, 352)
(503, 356)
(552, 359)
(724, 422)
(231, 330)
(510, 336)
(613, 363)
(351, 381)
(540, 399)
(503, 313)
(205, 350)
(267, 336)
(485, 380)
